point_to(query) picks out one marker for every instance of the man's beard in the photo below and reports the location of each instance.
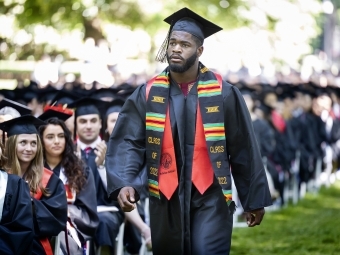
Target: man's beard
(177, 68)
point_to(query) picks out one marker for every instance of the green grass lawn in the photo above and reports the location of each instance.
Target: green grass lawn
(312, 227)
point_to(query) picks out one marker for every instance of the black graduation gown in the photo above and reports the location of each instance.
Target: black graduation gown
(83, 211)
(303, 135)
(49, 213)
(188, 223)
(264, 136)
(109, 222)
(319, 134)
(16, 226)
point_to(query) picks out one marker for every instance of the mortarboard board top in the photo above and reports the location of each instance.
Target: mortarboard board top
(63, 97)
(26, 94)
(56, 112)
(26, 124)
(104, 93)
(88, 105)
(188, 21)
(115, 106)
(47, 93)
(7, 93)
(22, 109)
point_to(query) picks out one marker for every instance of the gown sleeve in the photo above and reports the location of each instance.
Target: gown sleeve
(50, 212)
(83, 212)
(245, 158)
(125, 156)
(16, 227)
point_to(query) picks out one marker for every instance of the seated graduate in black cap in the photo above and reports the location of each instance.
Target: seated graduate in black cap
(264, 135)
(88, 125)
(77, 178)
(111, 115)
(10, 109)
(135, 227)
(25, 158)
(62, 99)
(189, 127)
(16, 224)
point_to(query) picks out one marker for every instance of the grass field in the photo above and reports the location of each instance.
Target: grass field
(312, 227)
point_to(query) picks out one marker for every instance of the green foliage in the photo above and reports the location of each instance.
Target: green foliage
(66, 14)
(309, 228)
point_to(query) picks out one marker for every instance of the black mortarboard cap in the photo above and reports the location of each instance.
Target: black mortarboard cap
(286, 94)
(7, 93)
(85, 106)
(265, 108)
(125, 90)
(104, 93)
(115, 106)
(46, 94)
(26, 124)
(247, 90)
(22, 109)
(188, 21)
(26, 94)
(49, 114)
(88, 105)
(63, 97)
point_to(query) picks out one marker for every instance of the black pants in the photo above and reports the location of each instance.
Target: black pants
(209, 229)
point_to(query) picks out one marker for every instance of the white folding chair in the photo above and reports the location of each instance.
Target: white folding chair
(143, 250)
(57, 250)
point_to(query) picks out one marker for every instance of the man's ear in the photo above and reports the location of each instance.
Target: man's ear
(200, 50)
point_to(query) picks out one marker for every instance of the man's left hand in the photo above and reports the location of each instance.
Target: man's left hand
(255, 217)
(100, 152)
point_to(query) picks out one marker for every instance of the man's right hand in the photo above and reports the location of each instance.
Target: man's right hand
(126, 199)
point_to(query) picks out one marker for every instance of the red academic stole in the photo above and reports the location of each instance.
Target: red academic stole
(45, 179)
(210, 133)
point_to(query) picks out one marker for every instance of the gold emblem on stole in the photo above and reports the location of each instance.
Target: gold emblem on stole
(157, 99)
(212, 109)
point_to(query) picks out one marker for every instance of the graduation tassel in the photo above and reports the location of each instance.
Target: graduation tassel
(161, 55)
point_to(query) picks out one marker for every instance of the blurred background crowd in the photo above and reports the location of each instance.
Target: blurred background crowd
(283, 55)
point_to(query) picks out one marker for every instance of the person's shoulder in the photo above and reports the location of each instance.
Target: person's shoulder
(227, 85)
(12, 178)
(228, 89)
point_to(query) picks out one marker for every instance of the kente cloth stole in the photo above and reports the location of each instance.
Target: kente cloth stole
(210, 155)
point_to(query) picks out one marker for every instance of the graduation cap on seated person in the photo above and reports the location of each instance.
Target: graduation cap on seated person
(86, 106)
(46, 94)
(114, 106)
(26, 95)
(22, 109)
(7, 93)
(187, 21)
(26, 124)
(57, 112)
(64, 97)
(106, 94)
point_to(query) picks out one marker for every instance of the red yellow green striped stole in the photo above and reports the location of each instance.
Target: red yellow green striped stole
(210, 141)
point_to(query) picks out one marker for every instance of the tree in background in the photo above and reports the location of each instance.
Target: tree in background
(88, 15)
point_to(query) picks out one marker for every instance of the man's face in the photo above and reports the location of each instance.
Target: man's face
(88, 128)
(183, 52)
